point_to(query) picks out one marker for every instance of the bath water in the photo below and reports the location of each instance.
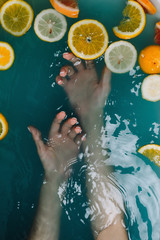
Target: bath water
(29, 95)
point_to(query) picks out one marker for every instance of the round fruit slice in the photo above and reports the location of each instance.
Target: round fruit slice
(2, 2)
(88, 39)
(151, 88)
(50, 26)
(151, 151)
(157, 33)
(120, 57)
(133, 23)
(148, 6)
(6, 56)
(149, 59)
(3, 126)
(16, 17)
(68, 8)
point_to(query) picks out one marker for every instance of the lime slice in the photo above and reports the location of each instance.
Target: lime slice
(16, 17)
(120, 57)
(6, 56)
(151, 151)
(50, 26)
(151, 88)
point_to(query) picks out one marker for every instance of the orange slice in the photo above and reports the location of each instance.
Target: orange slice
(6, 56)
(68, 8)
(3, 126)
(149, 59)
(148, 6)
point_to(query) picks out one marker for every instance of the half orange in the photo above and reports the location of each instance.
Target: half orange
(148, 6)
(3, 126)
(68, 8)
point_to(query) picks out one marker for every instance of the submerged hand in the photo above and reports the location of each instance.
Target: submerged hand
(63, 144)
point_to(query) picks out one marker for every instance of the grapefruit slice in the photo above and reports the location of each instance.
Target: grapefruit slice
(157, 33)
(68, 8)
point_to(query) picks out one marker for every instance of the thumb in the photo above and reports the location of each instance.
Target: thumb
(36, 134)
(105, 82)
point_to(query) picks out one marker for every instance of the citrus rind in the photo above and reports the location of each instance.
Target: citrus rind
(56, 14)
(81, 54)
(12, 56)
(151, 88)
(153, 148)
(23, 4)
(129, 35)
(117, 61)
(4, 124)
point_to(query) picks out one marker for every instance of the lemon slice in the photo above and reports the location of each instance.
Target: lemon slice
(120, 57)
(3, 126)
(50, 26)
(151, 88)
(133, 23)
(88, 39)
(6, 56)
(16, 17)
(151, 151)
(2, 2)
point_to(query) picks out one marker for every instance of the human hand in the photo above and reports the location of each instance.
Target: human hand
(63, 144)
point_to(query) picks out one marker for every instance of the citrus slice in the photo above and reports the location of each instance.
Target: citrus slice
(148, 6)
(68, 8)
(149, 59)
(2, 2)
(3, 126)
(120, 57)
(157, 33)
(151, 151)
(133, 23)
(50, 26)
(151, 88)
(88, 39)
(16, 17)
(6, 56)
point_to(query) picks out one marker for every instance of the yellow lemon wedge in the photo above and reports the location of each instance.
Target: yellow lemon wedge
(133, 22)
(16, 17)
(6, 56)
(151, 151)
(151, 88)
(88, 39)
(3, 126)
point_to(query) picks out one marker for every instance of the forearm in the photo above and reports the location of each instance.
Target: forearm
(47, 219)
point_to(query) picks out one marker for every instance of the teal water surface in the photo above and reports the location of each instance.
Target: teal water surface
(30, 96)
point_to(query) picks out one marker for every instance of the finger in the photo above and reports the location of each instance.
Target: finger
(67, 126)
(55, 127)
(79, 139)
(105, 82)
(77, 62)
(74, 131)
(61, 81)
(90, 64)
(36, 134)
(67, 71)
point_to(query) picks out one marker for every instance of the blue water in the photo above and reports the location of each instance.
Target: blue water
(29, 95)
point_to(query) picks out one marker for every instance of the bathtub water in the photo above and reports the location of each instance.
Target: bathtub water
(29, 95)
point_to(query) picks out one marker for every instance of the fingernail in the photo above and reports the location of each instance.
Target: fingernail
(61, 115)
(60, 82)
(78, 130)
(67, 56)
(29, 129)
(84, 137)
(63, 73)
(73, 121)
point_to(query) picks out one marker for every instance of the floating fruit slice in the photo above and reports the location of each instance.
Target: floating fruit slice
(149, 59)
(68, 8)
(88, 39)
(120, 57)
(50, 26)
(157, 33)
(151, 151)
(133, 23)
(3, 126)
(6, 56)
(2, 2)
(16, 17)
(151, 88)
(148, 6)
